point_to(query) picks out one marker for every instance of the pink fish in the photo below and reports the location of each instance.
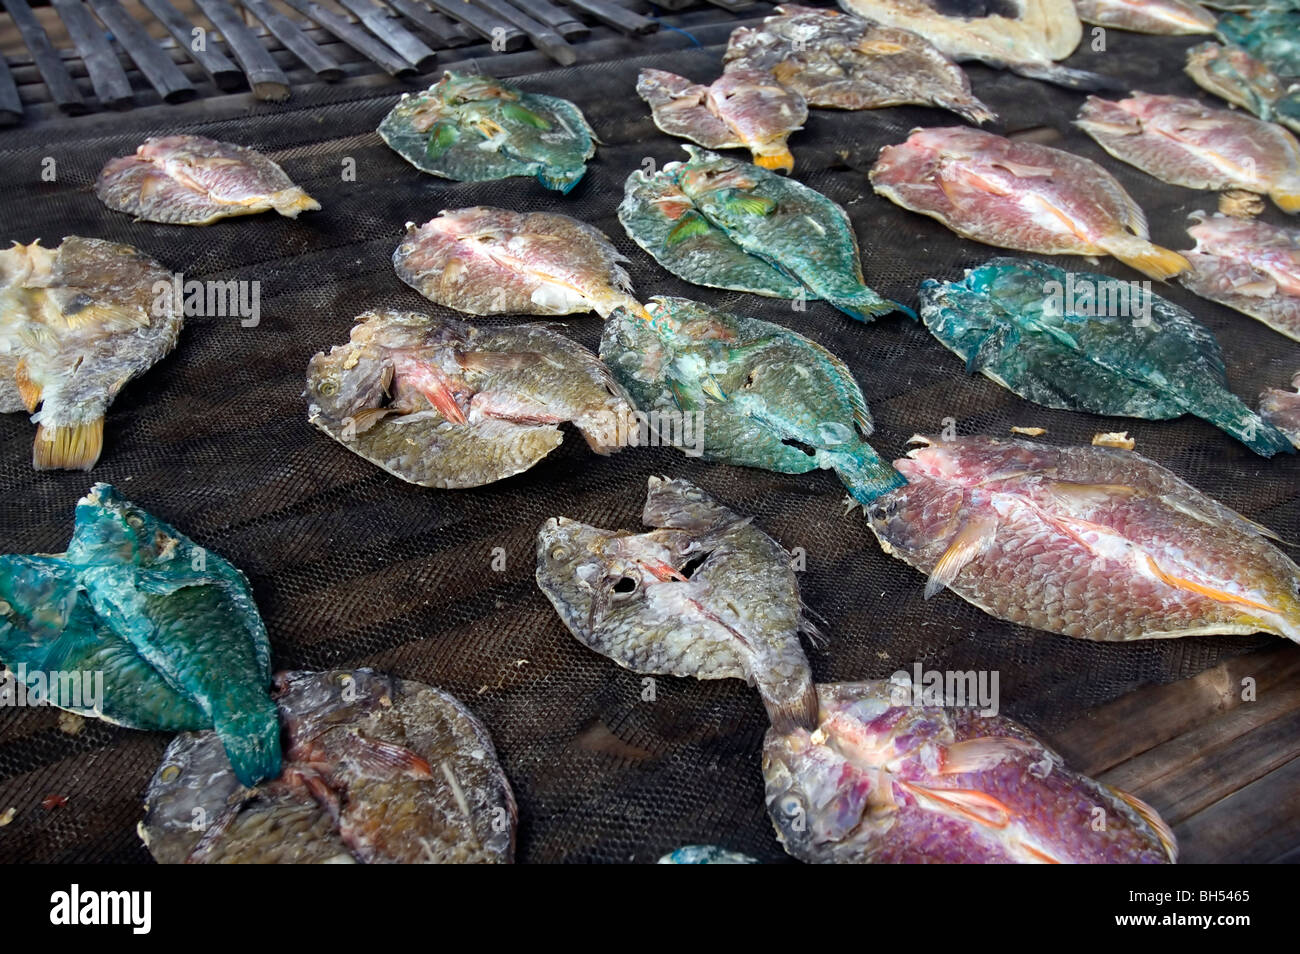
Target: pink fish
(1250, 266)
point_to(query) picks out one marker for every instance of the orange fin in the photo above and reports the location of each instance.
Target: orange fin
(71, 447)
(975, 755)
(1219, 596)
(1287, 199)
(979, 807)
(1149, 259)
(1152, 818)
(1041, 855)
(975, 534)
(783, 160)
(290, 202)
(28, 390)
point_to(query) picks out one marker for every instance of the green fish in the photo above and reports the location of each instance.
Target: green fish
(767, 218)
(172, 626)
(1271, 34)
(762, 395)
(1244, 81)
(1087, 342)
(474, 128)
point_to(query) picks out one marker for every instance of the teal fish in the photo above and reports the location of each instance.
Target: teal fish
(1271, 34)
(705, 855)
(172, 626)
(474, 128)
(769, 219)
(761, 395)
(1244, 81)
(1088, 342)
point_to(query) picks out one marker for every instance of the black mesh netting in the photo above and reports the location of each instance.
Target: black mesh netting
(353, 567)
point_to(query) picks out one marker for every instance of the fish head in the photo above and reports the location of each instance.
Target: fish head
(350, 383)
(455, 88)
(971, 461)
(110, 528)
(708, 174)
(593, 575)
(477, 223)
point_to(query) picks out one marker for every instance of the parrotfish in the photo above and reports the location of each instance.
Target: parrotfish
(1186, 143)
(1281, 408)
(486, 261)
(1089, 342)
(1270, 33)
(1249, 266)
(705, 594)
(843, 61)
(474, 128)
(1024, 36)
(77, 322)
(740, 109)
(440, 403)
(762, 395)
(1019, 195)
(376, 770)
(883, 780)
(705, 855)
(1235, 75)
(1163, 17)
(1091, 542)
(193, 180)
(767, 217)
(172, 626)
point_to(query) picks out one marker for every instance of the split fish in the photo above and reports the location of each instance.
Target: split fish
(1107, 348)
(1282, 409)
(1235, 75)
(440, 403)
(193, 180)
(1162, 17)
(1270, 34)
(763, 396)
(1019, 195)
(884, 781)
(1090, 542)
(1183, 142)
(475, 128)
(77, 322)
(705, 855)
(705, 594)
(377, 770)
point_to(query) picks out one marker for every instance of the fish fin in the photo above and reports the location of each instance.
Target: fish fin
(497, 360)
(980, 807)
(691, 223)
(968, 542)
(976, 755)
(783, 160)
(749, 203)
(437, 388)
(800, 713)
(1041, 855)
(290, 202)
(1069, 78)
(1152, 818)
(442, 136)
(866, 306)
(561, 182)
(1218, 595)
(68, 447)
(879, 47)
(1149, 259)
(368, 417)
(522, 114)
(1287, 199)
(28, 390)
(387, 758)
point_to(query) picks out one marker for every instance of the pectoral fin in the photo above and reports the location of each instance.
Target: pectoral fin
(970, 541)
(976, 755)
(979, 807)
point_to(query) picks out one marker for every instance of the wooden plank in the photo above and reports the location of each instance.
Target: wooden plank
(442, 29)
(1254, 825)
(557, 18)
(107, 77)
(543, 37)
(618, 17)
(1150, 770)
(62, 87)
(225, 74)
(295, 40)
(11, 107)
(361, 41)
(410, 47)
(157, 67)
(265, 77)
(1141, 720)
(483, 22)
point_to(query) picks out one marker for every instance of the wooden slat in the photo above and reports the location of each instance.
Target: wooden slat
(295, 40)
(225, 74)
(11, 107)
(355, 37)
(557, 18)
(482, 22)
(1254, 825)
(442, 29)
(157, 67)
(543, 37)
(1141, 720)
(62, 87)
(410, 47)
(107, 77)
(616, 16)
(264, 75)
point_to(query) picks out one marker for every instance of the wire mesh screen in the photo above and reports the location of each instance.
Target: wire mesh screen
(353, 567)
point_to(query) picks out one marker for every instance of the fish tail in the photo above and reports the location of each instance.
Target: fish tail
(1287, 196)
(1148, 258)
(1069, 78)
(561, 182)
(865, 305)
(797, 710)
(775, 160)
(289, 202)
(1256, 433)
(251, 737)
(68, 446)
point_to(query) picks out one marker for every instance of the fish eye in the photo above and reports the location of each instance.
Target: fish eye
(328, 388)
(5, 608)
(134, 520)
(559, 553)
(791, 807)
(625, 584)
(170, 773)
